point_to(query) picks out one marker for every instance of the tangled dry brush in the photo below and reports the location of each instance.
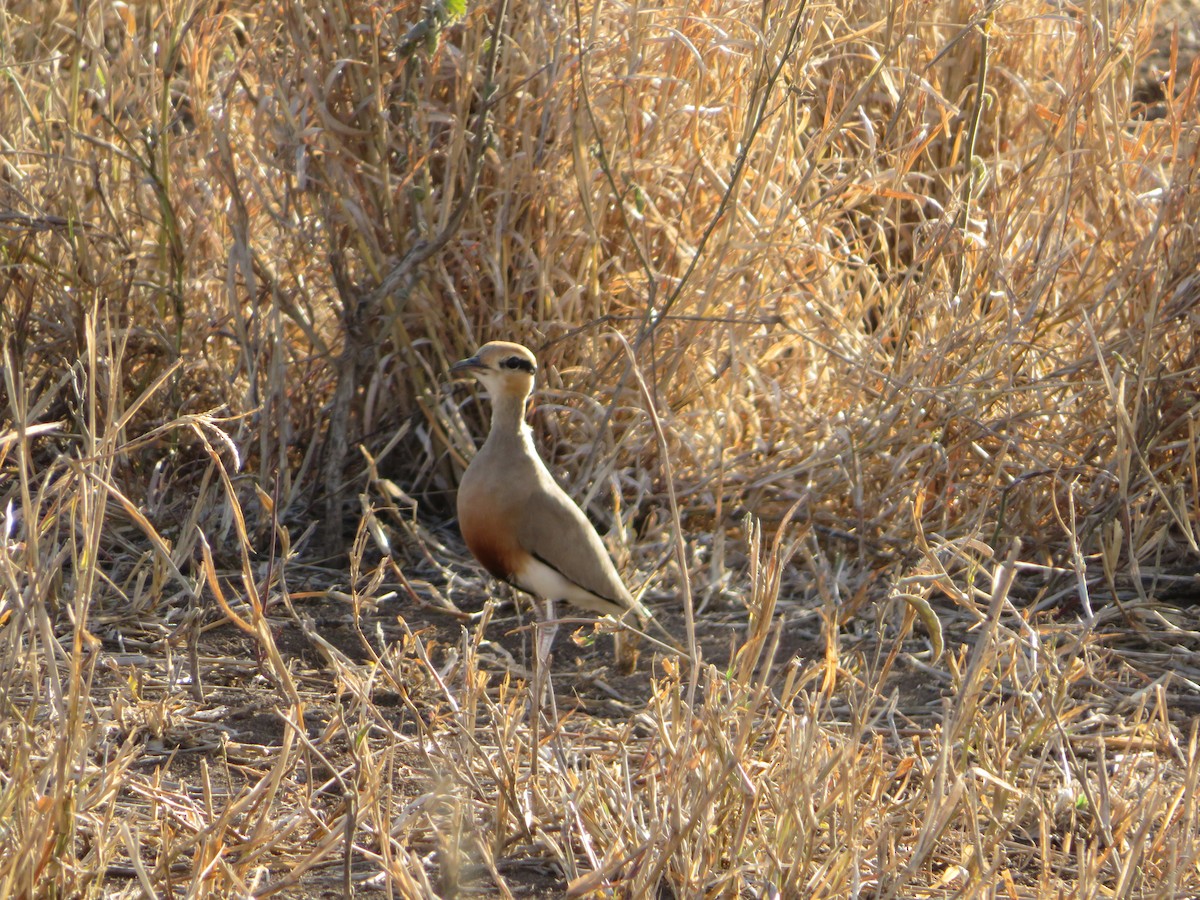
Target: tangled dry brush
(903, 451)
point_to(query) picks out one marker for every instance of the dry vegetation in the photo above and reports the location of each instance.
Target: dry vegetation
(913, 291)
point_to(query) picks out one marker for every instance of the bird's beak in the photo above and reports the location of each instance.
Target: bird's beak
(466, 366)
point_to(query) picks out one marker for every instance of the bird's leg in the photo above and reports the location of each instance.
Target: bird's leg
(544, 631)
(547, 629)
(545, 645)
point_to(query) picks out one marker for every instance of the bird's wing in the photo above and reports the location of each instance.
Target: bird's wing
(556, 531)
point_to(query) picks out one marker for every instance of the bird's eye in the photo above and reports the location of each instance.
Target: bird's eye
(515, 362)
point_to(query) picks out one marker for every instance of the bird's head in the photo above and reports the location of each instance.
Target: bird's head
(504, 368)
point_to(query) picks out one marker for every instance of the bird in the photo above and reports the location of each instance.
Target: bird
(516, 520)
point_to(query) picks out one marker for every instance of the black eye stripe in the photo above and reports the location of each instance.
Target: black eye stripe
(516, 362)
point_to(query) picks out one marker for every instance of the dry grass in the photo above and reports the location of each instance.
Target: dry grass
(908, 426)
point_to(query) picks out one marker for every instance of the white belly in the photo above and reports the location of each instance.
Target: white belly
(539, 579)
